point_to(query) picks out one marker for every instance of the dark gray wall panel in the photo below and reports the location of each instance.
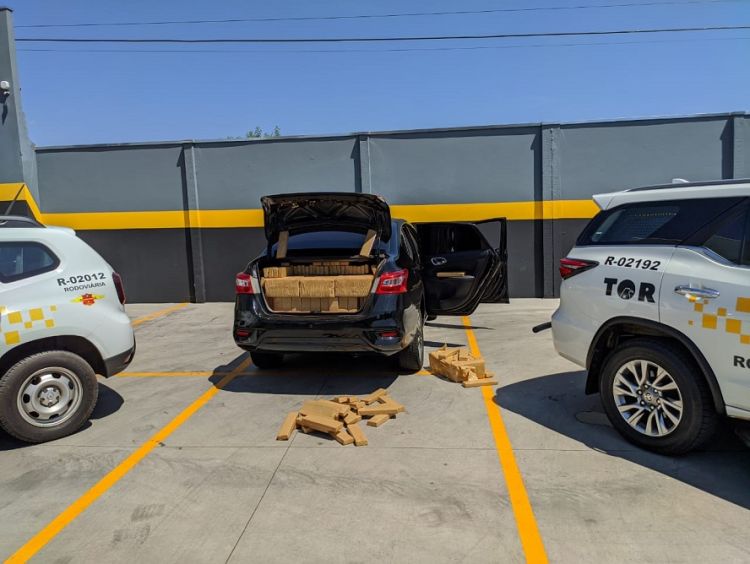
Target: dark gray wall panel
(524, 259)
(236, 175)
(741, 155)
(604, 158)
(225, 253)
(152, 262)
(493, 165)
(19, 208)
(111, 179)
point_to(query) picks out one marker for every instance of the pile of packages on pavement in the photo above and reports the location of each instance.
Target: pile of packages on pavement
(459, 365)
(341, 416)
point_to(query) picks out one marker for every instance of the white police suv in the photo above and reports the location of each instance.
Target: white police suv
(62, 321)
(655, 303)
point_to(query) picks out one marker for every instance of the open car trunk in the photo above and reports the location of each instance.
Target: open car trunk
(333, 286)
(326, 272)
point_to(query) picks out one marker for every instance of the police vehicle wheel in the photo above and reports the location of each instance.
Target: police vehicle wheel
(266, 360)
(655, 396)
(47, 396)
(412, 357)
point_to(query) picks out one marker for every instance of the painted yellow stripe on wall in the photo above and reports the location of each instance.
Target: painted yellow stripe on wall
(178, 219)
(559, 209)
(157, 219)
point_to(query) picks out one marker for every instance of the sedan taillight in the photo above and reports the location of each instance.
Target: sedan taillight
(243, 283)
(393, 282)
(570, 266)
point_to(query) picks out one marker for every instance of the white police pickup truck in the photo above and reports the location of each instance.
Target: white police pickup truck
(655, 303)
(62, 322)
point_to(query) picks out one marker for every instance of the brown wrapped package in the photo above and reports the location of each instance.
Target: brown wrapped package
(317, 287)
(281, 287)
(355, 286)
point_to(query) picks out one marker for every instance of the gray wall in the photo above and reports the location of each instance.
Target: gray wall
(529, 163)
(17, 163)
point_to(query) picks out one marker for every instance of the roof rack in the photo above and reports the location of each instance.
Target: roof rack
(691, 184)
(18, 221)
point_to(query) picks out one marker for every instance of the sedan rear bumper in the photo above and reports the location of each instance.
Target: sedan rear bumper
(329, 340)
(382, 331)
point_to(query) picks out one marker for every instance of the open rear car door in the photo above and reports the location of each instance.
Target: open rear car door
(464, 264)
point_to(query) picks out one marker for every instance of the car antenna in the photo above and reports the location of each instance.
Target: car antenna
(12, 203)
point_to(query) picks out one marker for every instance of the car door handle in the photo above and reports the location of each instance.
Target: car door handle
(438, 261)
(704, 293)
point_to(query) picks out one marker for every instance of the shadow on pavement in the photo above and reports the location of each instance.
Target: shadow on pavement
(108, 403)
(438, 344)
(325, 374)
(457, 326)
(557, 401)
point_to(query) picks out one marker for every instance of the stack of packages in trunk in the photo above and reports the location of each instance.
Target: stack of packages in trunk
(340, 417)
(330, 287)
(459, 365)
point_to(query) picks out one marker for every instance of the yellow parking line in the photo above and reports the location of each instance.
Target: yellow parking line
(38, 541)
(531, 540)
(157, 314)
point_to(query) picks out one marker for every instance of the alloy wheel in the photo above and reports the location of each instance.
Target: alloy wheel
(648, 398)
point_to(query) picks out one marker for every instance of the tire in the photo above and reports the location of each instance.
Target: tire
(47, 396)
(266, 360)
(656, 423)
(412, 357)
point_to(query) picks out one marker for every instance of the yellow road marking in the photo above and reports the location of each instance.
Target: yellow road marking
(187, 374)
(157, 314)
(40, 540)
(531, 540)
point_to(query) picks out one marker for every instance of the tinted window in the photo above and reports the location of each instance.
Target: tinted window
(408, 244)
(343, 242)
(445, 238)
(668, 222)
(405, 249)
(728, 238)
(22, 260)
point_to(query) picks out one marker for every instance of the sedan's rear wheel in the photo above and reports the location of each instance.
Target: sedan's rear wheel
(656, 397)
(412, 357)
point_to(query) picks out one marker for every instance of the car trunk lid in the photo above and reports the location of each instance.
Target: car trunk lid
(306, 212)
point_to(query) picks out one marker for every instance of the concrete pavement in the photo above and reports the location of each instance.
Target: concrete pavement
(427, 488)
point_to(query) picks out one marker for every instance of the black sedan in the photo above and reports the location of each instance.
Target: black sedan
(339, 274)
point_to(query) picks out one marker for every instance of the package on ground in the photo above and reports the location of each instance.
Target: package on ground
(340, 417)
(459, 365)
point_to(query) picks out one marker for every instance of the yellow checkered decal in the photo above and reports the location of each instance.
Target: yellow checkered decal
(722, 319)
(13, 323)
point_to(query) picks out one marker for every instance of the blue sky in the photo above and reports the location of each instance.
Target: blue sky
(85, 97)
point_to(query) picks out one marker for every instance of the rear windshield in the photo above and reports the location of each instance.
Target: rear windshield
(653, 223)
(334, 243)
